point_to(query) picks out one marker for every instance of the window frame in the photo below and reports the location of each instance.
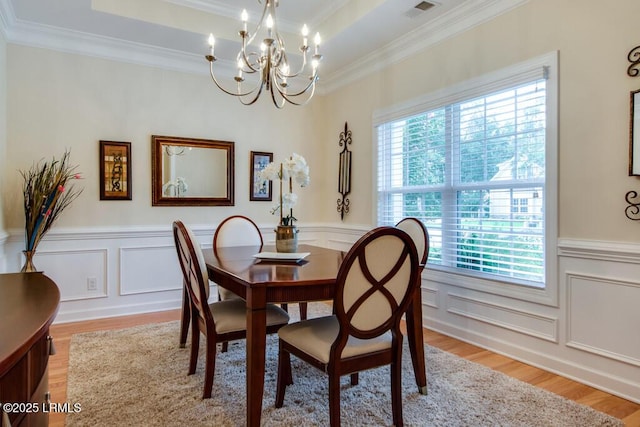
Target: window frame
(479, 86)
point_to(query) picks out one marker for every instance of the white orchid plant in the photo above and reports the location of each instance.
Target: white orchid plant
(294, 169)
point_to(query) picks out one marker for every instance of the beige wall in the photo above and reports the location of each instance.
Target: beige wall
(593, 42)
(58, 100)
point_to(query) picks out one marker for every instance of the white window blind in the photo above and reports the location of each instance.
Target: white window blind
(473, 170)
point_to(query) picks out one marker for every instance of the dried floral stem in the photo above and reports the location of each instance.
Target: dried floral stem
(46, 195)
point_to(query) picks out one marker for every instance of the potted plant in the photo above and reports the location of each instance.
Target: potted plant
(293, 169)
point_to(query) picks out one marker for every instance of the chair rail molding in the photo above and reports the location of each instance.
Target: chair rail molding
(599, 250)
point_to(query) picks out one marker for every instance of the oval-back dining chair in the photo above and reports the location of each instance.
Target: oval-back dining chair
(420, 236)
(375, 284)
(239, 230)
(220, 321)
(236, 230)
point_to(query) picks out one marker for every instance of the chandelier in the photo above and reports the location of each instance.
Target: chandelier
(267, 67)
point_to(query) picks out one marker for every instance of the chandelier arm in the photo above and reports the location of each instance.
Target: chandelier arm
(311, 85)
(255, 98)
(275, 101)
(289, 97)
(302, 68)
(246, 60)
(213, 77)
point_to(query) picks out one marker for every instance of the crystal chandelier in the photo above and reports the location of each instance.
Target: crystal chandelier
(269, 68)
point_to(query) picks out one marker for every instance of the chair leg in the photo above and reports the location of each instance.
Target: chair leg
(396, 390)
(303, 310)
(195, 345)
(355, 378)
(210, 367)
(225, 347)
(285, 307)
(416, 342)
(186, 316)
(334, 399)
(284, 375)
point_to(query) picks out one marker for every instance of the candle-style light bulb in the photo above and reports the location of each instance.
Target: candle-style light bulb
(269, 24)
(212, 42)
(305, 33)
(317, 41)
(240, 68)
(244, 16)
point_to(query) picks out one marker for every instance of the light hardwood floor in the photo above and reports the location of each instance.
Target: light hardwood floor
(623, 409)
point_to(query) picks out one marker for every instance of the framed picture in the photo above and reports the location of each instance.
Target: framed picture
(115, 170)
(260, 190)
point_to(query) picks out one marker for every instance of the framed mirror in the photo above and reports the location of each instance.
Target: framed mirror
(191, 172)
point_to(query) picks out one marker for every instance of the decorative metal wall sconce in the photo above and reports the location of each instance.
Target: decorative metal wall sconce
(632, 211)
(344, 171)
(634, 58)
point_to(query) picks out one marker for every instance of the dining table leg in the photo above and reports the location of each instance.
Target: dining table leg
(256, 347)
(416, 340)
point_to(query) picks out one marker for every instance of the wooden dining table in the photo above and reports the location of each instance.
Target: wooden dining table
(312, 279)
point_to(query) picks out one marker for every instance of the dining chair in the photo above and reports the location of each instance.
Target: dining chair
(374, 287)
(239, 230)
(220, 321)
(418, 232)
(236, 230)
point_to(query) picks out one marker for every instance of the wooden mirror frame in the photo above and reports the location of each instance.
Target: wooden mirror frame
(159, 199)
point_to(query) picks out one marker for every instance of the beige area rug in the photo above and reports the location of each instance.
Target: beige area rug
(138, 377)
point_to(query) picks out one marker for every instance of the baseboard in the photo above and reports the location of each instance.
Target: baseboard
(68, 316)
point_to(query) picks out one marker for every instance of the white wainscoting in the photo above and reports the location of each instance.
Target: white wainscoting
(590, 334)
(113, 272)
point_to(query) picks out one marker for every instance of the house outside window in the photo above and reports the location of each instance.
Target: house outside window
(473, 166)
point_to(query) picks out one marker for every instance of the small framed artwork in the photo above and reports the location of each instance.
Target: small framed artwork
(115, 170)
(260, 190)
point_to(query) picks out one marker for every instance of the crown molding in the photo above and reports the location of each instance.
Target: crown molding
(81, 43)
(7, 17)
(458, 20)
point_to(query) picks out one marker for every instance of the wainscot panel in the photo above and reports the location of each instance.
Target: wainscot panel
(147, 269)
(80, 275)
(597, 305)
(528, 323)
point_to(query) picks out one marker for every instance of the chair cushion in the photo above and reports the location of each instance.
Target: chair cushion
(231, 315)
(315, 337)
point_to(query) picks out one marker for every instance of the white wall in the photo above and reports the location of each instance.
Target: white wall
(590, 334)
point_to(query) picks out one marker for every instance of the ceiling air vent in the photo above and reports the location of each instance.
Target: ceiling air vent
(418, 9)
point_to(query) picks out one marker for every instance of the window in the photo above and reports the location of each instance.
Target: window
(472, 164)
